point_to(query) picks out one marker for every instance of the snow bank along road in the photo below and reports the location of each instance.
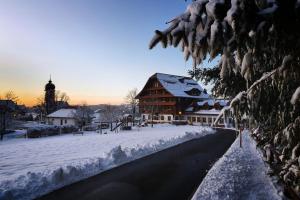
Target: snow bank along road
(239, 174)
(33, 167)
(174, 173)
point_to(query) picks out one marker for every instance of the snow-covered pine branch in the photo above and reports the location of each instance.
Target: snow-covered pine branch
(252, 38)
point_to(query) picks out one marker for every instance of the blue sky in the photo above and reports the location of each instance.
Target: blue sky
(95, 50)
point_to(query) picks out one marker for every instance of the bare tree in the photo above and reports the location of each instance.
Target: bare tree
(40, 106)
(130, 99)
(110, 113)
(10, 95)
(64, 97)
(57, 94)
(83, 115)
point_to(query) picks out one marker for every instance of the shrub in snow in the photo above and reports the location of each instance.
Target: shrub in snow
(68, 129)
(259, 45)
(42, 131)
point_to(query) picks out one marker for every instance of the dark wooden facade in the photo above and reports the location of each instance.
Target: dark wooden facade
(155, 99)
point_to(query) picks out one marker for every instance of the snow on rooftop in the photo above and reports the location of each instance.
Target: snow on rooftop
(209, 102)
(63, 113)
(189, 109)
(208, 112)
(179, 85)
(212, 102)
(240, 174)
(32, 167)
(222, 102)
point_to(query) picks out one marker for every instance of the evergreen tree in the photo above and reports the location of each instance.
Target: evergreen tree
(258, 42)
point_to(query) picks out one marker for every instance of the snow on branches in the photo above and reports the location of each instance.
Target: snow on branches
(258, 42)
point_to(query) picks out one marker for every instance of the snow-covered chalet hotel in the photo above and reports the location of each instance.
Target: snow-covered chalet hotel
(169, 98)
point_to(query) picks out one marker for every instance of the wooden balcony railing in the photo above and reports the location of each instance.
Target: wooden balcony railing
(156, 96)
(157, 103)
(170, 112)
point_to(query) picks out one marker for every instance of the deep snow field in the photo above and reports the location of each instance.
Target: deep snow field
(240, 174)
(32, 167)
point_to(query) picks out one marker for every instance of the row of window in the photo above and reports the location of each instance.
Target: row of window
(155, 117)
(163, 99)
(156, 108)
(61, 121)
(194, 119)
(204, 120)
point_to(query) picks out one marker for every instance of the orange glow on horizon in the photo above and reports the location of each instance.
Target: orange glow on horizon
(32, 101)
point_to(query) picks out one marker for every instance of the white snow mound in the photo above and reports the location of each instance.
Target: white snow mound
(240, 174)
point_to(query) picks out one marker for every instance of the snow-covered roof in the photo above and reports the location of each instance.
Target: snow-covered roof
(98, 111)
(179, 86)
(63, 113)
(222, 102)
(208, 112)
(189, 109)
(209, 102)
(212, 102)
(127, 115)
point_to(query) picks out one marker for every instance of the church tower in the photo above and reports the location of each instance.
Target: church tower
(50, 97)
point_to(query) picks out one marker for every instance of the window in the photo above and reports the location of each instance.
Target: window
(169, 118)
(162, 118)
(209, 120)
(204, 119)
(61, 122)
(198, 119)
(193, 119)
(66, 121)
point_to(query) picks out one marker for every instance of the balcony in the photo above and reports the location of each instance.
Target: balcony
(161, 103)
(168, 112)
(156, 96)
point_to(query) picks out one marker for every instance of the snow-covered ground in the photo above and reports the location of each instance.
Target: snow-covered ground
(240, 174)
(32, 167)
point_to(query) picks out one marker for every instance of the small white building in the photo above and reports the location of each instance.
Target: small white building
(98, 116)
(62, 117)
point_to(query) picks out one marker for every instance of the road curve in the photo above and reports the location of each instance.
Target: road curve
(174, 173)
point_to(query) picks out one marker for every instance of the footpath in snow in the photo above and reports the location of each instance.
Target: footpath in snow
(33, 167)
(239, 174)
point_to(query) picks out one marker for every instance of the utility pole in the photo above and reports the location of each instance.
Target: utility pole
(152, 110)
(3, 124)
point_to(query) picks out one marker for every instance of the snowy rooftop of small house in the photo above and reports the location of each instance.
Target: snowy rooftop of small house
(212, 102)
(208, 112)
(98, 111)
(63, 113)
(180, 85)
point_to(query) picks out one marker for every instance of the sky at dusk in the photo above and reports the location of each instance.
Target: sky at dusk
(95, 50)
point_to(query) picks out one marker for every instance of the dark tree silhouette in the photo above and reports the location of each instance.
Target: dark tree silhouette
(258, 42)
